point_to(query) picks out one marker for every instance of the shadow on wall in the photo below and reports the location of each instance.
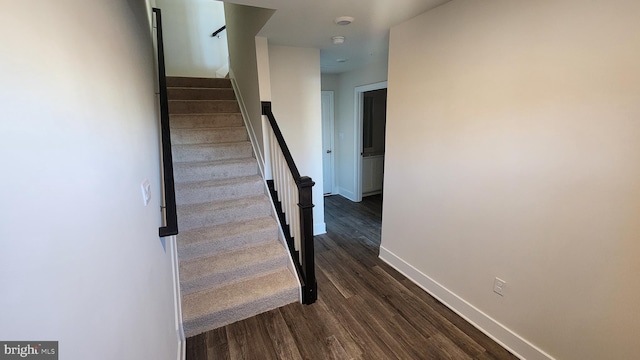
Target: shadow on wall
(190, 50)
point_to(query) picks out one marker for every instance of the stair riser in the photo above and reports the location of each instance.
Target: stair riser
(187, 252)
(208, 136)
(210, 218)
(200, 94)
(247, 310)
(198, 82)
(185, 196)
(227, 152)
(273, 264)
(203, 106)
(182, 121)
(184, 173)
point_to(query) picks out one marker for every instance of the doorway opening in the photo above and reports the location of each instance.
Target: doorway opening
(370, 119)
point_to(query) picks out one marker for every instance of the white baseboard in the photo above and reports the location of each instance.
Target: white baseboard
(319, 229)
(347, 194)
(177, 300)
(483, 322)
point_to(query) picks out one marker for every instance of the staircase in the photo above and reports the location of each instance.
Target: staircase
(232, 262)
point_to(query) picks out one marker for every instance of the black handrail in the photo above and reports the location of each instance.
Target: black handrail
(171, 227)
(306, 267)
(219, 31)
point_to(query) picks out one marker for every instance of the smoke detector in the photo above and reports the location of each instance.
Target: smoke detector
(338, 39)
(343, 20)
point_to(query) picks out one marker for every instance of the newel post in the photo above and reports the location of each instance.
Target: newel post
(305, 202)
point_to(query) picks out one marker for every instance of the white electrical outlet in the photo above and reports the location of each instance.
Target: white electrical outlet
(498, 286)
(146, 192)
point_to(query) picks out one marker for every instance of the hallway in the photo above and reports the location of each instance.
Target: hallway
(365, 309)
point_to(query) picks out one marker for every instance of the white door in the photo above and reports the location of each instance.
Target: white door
(327, 141)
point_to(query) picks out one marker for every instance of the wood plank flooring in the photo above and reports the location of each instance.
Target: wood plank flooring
(365, 309)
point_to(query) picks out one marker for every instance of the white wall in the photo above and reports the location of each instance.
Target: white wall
(187, 26)
(512, 151)
(262, 62)
(329, 82)
(243, 23)
(345, 125)
(296, 105)
(80, 257)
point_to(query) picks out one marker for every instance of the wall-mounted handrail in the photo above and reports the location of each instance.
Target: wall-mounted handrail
(292, 196)
(171, 215)
(219, 31)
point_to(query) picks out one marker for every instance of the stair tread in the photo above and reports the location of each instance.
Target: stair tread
(235, 294)
(184, 153)
(214, 113)
(222, 231)
(183, 81)
(218, 182)
(215, 162)
(189, 171)
(228, 261)
(214, 206)
(212, 120)
(212, 128)
(209, 135)
(210, 145)
(203, 100)
(199, 88)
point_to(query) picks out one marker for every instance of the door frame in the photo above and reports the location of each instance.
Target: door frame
(331, 140)
(357, 111)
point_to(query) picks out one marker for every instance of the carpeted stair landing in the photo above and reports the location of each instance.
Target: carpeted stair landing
(232, 263)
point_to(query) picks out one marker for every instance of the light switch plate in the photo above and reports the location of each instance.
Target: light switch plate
(498, 286)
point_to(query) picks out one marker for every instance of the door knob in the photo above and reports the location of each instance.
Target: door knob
(328, 151)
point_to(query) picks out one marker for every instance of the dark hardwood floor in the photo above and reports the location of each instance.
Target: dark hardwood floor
(365, 308)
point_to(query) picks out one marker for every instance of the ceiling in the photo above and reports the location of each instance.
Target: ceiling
(309, 23)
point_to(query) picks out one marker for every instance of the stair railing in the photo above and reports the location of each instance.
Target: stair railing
(169, 198)
(291, 194)
(215, 33)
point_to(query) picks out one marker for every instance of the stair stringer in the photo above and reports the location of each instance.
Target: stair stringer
(247, 124)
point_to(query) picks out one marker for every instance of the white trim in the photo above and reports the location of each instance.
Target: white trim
(177, 299)
(319, 229)
(357, 141)
(347, 194)
(511, 341)
(332, 143)
(247, 122)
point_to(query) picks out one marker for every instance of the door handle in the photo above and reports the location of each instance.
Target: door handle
(328, 151)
